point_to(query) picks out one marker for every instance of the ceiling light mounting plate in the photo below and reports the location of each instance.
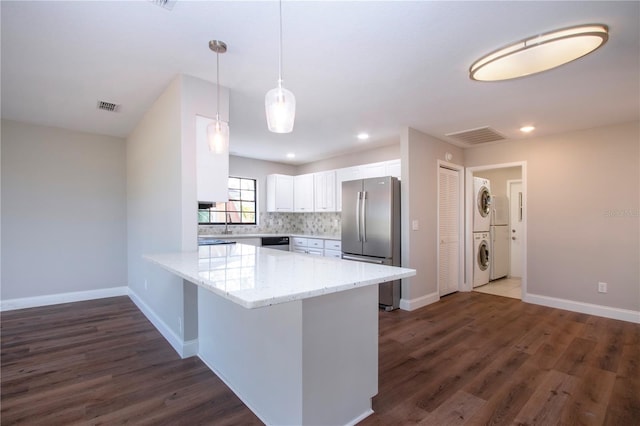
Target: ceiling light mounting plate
(218, 46)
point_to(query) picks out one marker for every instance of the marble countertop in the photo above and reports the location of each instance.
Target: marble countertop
(279, 234)
(255, 277)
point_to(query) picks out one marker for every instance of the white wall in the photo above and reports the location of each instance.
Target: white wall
(583, 212)
(420, 154)
(373, 155)
(162, 202)
(154, 205)
(63, 211)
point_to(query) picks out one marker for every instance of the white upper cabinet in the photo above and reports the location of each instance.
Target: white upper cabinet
(385, 168)
(373, 170)
(343, 175)
(212, 169)
(279, 193)
(392, 168)
(322, 191)
(303, 193)
(325, 191)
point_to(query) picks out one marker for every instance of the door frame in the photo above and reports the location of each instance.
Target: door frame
(509, 183)
(461, 252)
(470, 199)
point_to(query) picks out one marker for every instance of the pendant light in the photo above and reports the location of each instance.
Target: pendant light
(218, 131)
(280, 103)
(539, 53)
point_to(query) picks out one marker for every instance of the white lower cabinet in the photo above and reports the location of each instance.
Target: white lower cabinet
(317, 247)
(333, 248)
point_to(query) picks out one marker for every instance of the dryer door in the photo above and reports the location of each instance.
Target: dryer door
(484, 201)
(483, 255)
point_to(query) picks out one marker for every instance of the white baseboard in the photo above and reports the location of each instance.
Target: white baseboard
(56, 299)
(185, 349)
(360, 418)
(233, 389)
(584, 308)
(418, 302)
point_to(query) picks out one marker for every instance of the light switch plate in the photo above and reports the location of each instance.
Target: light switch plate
(415, 225)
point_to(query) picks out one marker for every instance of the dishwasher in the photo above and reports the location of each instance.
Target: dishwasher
(277, 243)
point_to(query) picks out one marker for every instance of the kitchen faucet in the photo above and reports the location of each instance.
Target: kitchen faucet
(227, 219)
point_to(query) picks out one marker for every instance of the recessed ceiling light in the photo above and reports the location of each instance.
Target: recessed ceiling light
(291, 155)
(527, 129)
(363, 136)
(539, 53)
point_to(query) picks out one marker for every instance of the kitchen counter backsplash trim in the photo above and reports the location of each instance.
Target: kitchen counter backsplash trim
(283, 223)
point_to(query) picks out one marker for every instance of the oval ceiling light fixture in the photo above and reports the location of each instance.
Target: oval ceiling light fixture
(527, 129)
(291, 155)
(363, 136)
(539, 53)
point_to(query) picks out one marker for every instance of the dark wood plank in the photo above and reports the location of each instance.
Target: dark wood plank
(499, 361)
(472, 359)
(102, 362)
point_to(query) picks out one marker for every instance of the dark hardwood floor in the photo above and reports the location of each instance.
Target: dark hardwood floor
(102, 362)
(471, 358)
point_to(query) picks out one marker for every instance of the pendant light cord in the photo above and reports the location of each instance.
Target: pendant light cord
(218, 86)
(280, 56)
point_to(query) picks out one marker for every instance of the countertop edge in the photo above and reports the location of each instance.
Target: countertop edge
(403, 273)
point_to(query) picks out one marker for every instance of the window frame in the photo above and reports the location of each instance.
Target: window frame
(210, 210)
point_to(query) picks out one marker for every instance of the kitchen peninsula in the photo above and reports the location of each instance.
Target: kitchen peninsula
(294, 336)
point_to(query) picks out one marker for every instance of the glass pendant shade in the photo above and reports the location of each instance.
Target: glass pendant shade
(218, 136)
(280, 105)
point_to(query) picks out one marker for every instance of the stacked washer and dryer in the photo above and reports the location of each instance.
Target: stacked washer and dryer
(481, 227)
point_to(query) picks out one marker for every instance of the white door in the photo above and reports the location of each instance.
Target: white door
(448, 230)
(516, 200)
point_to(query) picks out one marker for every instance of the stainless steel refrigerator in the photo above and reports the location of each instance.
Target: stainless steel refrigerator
(371, 228)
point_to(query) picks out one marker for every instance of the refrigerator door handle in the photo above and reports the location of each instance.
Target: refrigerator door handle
(359, 196)
(364, 216)
(360, 259)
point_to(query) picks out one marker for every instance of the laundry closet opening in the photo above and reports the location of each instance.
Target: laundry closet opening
(497, 231)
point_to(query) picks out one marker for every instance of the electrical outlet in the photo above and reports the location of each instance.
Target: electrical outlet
(146, 285)
(602, 287)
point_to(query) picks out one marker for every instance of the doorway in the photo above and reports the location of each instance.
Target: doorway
(507, 235)
(450, 228)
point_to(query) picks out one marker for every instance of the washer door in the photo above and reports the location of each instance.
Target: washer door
(484, 201)
(483, 255)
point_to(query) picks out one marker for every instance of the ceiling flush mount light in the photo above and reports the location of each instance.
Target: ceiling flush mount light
(280, 103)
(218, 131)
(527, 129)
(291, 155)
(363, 136)
(539, 53)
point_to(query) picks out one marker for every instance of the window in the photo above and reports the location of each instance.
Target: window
(240, 210)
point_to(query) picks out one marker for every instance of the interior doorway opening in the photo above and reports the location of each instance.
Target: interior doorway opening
(496, 245)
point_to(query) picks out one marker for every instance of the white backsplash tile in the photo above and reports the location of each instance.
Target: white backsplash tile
(285, 223)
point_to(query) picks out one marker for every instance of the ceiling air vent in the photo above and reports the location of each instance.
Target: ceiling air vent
(167, 4)
(108, 106)
(476, 136)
